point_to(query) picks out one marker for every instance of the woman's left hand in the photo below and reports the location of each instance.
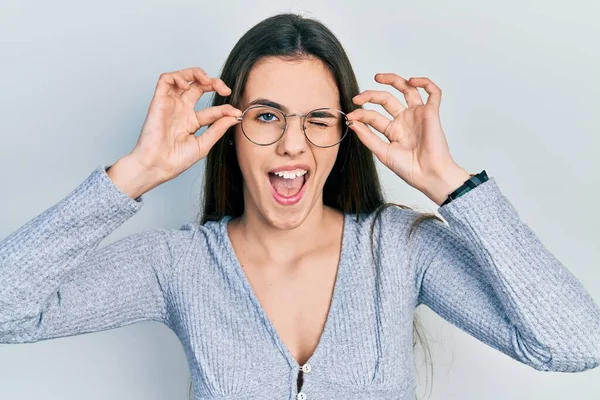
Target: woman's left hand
(418, 151)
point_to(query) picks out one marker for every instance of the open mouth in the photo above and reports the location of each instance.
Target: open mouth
(288, 191)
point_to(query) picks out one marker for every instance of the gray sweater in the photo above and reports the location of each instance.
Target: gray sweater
(485, 271)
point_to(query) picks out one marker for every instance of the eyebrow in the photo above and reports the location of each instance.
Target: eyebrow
(266, 102)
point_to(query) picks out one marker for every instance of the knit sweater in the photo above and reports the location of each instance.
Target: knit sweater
(484, 270)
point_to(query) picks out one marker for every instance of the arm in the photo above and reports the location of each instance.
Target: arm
(487, 273)
(54, 282)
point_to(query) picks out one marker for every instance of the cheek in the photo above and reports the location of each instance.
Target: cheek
(325, 163)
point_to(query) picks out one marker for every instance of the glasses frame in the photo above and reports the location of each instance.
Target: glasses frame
(285, 124)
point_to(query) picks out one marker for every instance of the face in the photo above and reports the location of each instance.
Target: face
(300, 86)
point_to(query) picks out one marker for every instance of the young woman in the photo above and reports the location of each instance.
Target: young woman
(298, 281)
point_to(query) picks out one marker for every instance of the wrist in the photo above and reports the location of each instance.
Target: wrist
(445, 183)
(133, 177)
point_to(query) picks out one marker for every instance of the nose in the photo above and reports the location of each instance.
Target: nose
(293, 142)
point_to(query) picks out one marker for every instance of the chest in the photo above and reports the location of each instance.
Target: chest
(297, 298)
(243, 323)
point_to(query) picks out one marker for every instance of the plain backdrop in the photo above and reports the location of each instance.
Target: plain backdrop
(520, 89)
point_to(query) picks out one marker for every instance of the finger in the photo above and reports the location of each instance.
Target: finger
(198, 74)
(177, 82)
(180, 85)
(413, 98)
(433, 91)
(198, 88)
(193, 94)
(371, 117)
(390, 103)
(210, 136)
(166, 82)
(209, 115)
(370, 139)
(195, 73)
(221, 87)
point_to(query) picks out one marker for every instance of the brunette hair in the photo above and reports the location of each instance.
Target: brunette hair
(353, 185)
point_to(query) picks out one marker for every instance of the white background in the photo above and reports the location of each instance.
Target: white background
(520, 99)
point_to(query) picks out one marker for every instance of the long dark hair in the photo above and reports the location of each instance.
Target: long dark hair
(353, 185)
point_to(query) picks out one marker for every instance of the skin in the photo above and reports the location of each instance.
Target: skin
(283, 259)
(291, 269)
(286, 233)
(417, 152)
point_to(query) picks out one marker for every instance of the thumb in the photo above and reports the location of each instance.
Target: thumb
(370, 139)
(210, 136)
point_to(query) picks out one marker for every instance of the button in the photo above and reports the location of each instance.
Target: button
(306, 368)
(301, 396)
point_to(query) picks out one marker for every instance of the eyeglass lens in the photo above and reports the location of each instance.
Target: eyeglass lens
(265, 125)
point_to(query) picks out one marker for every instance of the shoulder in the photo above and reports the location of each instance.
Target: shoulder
(403, 233)
(399, 223)
(191, 237)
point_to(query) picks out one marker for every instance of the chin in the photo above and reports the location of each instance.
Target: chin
(285, 219)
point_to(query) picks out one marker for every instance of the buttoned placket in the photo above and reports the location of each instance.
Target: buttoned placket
(304, 369)
(307, 367)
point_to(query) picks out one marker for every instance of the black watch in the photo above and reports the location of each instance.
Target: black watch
(474, 181)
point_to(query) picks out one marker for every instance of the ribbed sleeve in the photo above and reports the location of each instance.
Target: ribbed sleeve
(485, 271)
(488, 273)
(55, 282)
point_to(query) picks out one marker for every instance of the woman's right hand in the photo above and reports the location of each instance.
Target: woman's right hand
(167, 145)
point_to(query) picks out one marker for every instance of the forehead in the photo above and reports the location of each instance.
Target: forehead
(299, 85)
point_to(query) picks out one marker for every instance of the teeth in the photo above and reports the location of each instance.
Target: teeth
(290, 174)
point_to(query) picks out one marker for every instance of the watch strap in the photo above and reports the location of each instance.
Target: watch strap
(471, 183)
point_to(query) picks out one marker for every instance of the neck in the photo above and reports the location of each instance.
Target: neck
(280, 239)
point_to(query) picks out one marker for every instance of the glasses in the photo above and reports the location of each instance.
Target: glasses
(265, 125)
